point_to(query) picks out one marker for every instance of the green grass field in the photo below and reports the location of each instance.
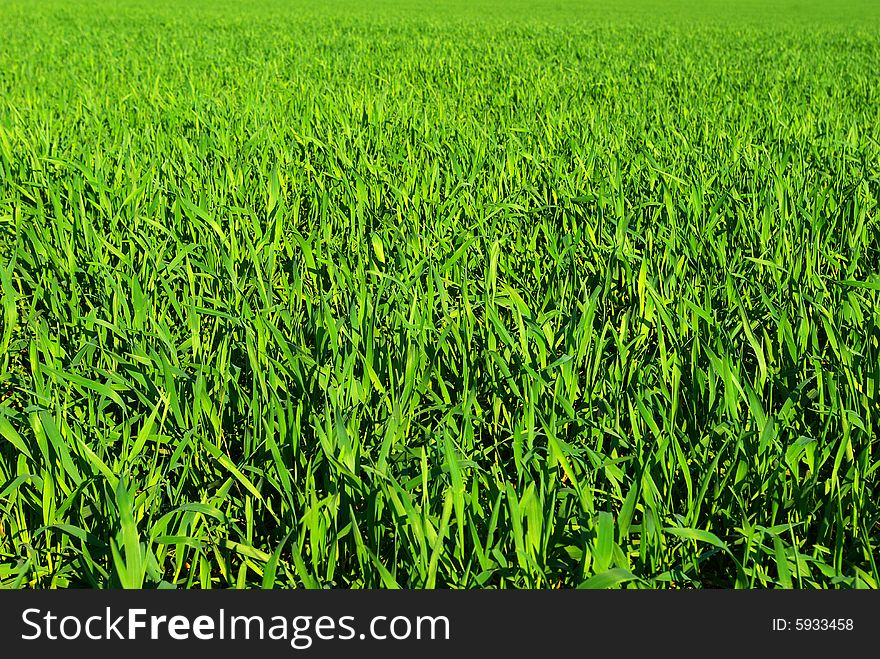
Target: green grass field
(458, 294)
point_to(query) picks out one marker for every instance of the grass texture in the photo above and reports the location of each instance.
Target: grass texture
(457, 294)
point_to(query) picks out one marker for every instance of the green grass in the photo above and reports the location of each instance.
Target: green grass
(469, 294)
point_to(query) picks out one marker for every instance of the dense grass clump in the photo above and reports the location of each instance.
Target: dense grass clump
(485, 294)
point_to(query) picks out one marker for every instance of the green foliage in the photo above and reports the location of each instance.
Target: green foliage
(482, 295)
